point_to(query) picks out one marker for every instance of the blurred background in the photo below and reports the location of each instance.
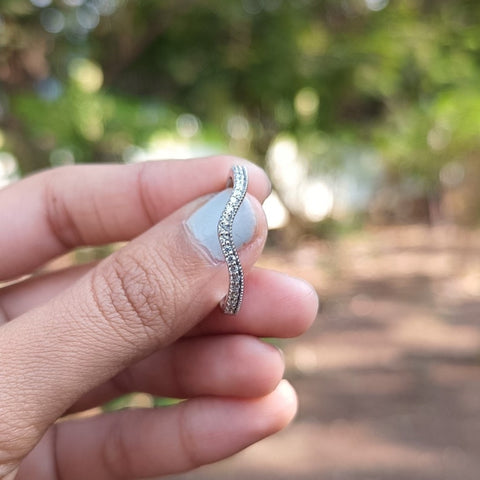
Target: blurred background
(366, 114)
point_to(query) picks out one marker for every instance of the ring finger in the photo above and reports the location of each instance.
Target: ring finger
(227, 365)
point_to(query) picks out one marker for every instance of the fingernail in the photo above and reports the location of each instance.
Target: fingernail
(203, 224)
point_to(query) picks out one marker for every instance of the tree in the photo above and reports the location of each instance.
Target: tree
(89, 79)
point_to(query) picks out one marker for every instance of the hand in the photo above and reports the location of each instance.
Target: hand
(144, 319)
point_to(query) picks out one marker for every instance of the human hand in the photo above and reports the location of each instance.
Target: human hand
(144, 319)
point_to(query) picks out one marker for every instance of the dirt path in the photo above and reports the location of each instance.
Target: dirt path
(389, 376)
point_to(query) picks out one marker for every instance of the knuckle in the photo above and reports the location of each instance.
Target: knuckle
(15, 442)
(8, 470)
(58, 216)
(21, 422)
(191, 449)
(136, 291)
(117, 452)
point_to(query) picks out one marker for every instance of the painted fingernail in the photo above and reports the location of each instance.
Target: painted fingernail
(203, 224)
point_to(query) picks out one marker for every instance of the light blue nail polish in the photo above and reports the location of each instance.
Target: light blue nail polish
(203, 224)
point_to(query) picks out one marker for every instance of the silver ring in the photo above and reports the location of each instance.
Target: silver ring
(239, 180)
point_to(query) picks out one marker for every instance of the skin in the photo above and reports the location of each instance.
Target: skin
(144, 319)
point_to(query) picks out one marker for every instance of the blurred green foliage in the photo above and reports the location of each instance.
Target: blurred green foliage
(132, 400)
(85, 80)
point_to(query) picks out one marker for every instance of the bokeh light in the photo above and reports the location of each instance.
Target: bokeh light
(52, 20)
(283, 163)
(87, 16)
(306, 102)
(376, 5)
(8, 168)
(87, 75)
(61, 156)
(73, 3)
(238, 127)
(188, 125)
(276, 213)
(105, 7)
(49, 89)
(452, 174)
(41, 3)
(317, 200)
(252, 7)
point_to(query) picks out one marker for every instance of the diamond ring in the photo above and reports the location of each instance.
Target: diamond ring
(239, 181)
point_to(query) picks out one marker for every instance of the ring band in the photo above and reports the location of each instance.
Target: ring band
(239, 180)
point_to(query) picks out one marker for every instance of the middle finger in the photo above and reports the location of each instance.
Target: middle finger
(274, 305)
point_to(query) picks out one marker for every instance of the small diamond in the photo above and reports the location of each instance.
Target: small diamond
(224, 230)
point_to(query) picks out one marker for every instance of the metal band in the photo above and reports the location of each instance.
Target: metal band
(239, 180)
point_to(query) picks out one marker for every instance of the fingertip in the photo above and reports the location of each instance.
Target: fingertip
(268, 361)
(285, 401)
(310, 303)
(255, 419)
(274, 411)
(261, 229)
(259, 184)
(262, 179)
(300, 303)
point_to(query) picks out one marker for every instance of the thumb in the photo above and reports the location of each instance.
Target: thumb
(140, 298)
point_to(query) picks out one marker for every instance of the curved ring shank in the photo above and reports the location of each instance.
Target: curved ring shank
(239, 178)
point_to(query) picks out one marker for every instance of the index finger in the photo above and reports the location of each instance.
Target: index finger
(54, 211)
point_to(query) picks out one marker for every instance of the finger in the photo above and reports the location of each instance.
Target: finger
(148, 443)
(18, 298)
(233, 366)
(56, 210)
(139, 299)
(275, 304)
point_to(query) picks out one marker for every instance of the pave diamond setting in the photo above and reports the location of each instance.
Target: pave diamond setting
(239, 180)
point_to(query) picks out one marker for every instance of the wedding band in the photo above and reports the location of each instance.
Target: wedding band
(238, 179)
